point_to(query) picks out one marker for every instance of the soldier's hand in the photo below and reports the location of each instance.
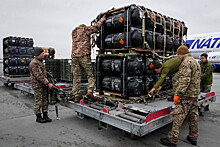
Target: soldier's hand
(50, 85)
(158, 89)
(176, 99)
(151, 91)
(103, 18)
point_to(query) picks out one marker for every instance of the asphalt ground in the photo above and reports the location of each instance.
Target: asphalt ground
(18, 126)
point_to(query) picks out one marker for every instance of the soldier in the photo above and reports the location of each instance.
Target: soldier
(81, 58)
(206, 78)
(186, 98)
(40, 83)
(171, 66)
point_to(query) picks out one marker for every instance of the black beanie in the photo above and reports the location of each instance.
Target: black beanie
(157, 64)
(38, 51)
(205, 55)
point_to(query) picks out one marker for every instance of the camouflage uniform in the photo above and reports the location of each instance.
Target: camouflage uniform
(188, 89)
(39, 81)
(81, 51)
(206, 78)
(171, 66)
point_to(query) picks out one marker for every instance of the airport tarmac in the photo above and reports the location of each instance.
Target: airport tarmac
(18, 126)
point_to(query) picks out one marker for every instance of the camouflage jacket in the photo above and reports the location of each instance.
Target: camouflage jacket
(188, 78)
(38, 74)
(207, 69)
(81, 40)
(171, 66)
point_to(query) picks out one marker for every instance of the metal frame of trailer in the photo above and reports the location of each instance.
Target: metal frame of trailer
(135, 119)
(12, 80)
(124, 117)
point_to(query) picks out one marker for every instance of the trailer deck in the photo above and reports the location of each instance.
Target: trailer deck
(136, 119)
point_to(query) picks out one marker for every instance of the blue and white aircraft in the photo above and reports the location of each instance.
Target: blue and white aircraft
(206, 43)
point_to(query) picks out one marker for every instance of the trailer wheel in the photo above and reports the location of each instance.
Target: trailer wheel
(132, 136)
(6, 84)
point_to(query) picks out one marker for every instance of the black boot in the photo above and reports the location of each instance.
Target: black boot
(45, 116)
(40, 119)
(166, 142)
(191, 141)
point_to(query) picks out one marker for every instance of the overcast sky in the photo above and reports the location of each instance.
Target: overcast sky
(50, 22)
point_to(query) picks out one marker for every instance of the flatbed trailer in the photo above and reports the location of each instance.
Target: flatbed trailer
(135, 119)
(12, 80)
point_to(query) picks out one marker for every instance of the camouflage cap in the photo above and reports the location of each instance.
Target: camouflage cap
(82, 25)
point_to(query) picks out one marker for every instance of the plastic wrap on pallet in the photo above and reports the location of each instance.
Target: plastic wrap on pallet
(22, 41)
(133, 15)
(134, 39)
(10, 41)
(168, 82)
(11, 70)
(11, 61)
(22, 61)
(29, 50)
(29, 42)
(130, 86)
(11, 50)
(118, 30)
(129, 65)
(149, 83)
(22, 70)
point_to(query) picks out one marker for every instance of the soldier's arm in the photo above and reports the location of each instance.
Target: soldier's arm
(207, 72)
(162, 78)
(184, 79)
(95, 28)
(38, 74)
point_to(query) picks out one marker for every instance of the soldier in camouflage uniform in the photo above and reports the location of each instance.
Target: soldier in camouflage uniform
(186, 98)
(171, 66)
(81, 58)
(40, 84)
(206, 78)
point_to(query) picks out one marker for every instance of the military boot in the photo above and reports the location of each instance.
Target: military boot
(40, 119)
(91, 96)
(77, 99)
(45, 116)
(166, 142)
(191, 141)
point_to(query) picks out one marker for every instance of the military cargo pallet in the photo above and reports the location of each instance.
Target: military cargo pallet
(137, 51)
(117, 96)
(16, 55)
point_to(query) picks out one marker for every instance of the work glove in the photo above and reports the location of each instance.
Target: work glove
(176, 99)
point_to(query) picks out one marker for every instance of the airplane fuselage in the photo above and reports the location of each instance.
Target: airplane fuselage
(203, 43)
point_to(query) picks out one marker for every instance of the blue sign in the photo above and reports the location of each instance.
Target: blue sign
(204, 43)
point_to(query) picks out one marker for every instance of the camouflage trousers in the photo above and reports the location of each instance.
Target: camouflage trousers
(41, 100)
(206, 88)
(187, 106)
(77, 64)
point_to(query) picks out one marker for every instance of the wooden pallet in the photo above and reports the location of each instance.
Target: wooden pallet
(137, 51)
(13, 76)
(16, 55)
(117, 96)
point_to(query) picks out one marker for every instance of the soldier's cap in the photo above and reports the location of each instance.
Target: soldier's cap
(82, 25)
(38, 51)
(156, 64)
(205, 55)
(182, 50)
